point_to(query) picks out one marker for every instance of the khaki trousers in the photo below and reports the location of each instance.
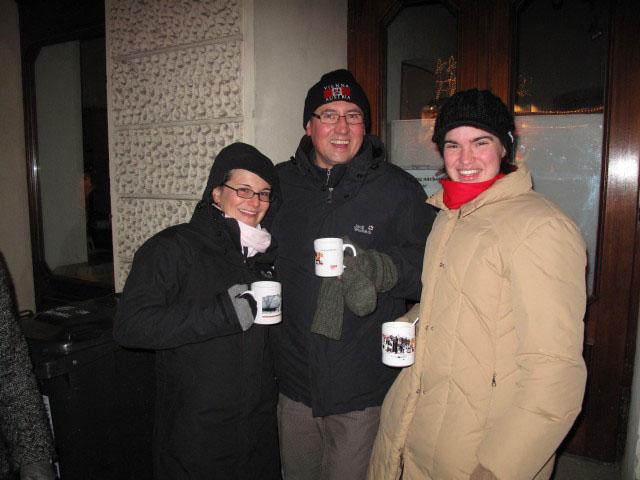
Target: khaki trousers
(335, 447)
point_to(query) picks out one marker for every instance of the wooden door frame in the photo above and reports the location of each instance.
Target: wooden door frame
(43, 24)
(485, 61)
(612, 358)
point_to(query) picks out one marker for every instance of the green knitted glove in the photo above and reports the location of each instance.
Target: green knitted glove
(366, 274)
(358, 291)
(379, 268)
(327, 319)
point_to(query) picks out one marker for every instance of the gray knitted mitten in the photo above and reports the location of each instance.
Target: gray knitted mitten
(380, 269)
(245, 305)
(327, 319)
(358, 291)
(366, 274)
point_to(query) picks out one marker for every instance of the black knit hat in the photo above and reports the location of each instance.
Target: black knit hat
(476, 108)
(338, 85)
(246, 157)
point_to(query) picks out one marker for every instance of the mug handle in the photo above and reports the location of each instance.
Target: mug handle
(253, 294)
(348, 245)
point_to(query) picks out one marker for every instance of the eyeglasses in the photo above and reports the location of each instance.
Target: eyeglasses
(332, 118)
(248, 193)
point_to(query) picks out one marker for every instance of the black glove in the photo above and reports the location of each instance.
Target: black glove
(244, 304)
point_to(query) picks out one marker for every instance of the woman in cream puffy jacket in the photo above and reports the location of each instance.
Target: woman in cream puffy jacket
(499, 376)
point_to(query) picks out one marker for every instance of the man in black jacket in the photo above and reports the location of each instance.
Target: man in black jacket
(328, 357)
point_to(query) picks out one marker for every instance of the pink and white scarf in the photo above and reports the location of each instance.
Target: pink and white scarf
(253, 239)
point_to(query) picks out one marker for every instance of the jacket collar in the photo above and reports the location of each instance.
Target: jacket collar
(369, 157)
(209, 220)
(514, 184)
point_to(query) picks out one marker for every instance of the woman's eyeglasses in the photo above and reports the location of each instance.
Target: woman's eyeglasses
(247, 193)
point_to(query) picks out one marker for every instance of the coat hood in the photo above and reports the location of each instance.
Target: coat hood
(243, 156)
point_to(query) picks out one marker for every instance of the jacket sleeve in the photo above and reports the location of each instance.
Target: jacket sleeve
(547, 276)
(153, 313)
(411, 315)
(414, 220)
(23, 424)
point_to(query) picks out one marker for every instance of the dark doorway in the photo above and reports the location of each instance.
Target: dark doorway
(64, 78)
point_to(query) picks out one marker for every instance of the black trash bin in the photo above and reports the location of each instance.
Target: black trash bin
(99, 396)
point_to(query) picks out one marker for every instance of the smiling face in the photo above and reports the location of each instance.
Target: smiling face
(250, 211)
(339, 143)
(472, 155)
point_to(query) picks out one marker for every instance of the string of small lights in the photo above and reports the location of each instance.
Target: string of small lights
(534, 111)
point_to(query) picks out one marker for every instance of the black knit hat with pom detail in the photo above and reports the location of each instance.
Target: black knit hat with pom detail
(480, 109)
(339, 85)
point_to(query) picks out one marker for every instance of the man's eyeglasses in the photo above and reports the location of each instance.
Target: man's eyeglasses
(248, 193)
(332, 118)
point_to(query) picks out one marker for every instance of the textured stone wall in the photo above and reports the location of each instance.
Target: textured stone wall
(174, 72)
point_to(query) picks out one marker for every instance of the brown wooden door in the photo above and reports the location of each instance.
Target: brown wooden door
(486, 54)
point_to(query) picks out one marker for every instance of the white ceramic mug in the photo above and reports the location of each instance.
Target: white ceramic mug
(330, 256)
(398, 344)
(268, 296)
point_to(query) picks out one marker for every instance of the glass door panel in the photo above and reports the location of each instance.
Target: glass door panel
(73, 160)
(559, 102)
(421, 49)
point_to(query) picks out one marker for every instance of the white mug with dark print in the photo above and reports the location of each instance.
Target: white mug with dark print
(398, 344)
(329, 256)
(268, 297)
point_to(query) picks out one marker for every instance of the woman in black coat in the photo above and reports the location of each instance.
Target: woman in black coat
(216, 391)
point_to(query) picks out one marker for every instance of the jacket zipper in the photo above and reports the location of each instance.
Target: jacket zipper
(493, 379)
(329, 197)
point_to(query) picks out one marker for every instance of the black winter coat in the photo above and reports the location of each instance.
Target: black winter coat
(216, 391)
(377, 205)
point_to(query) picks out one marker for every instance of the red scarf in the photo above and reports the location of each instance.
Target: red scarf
(457, 194)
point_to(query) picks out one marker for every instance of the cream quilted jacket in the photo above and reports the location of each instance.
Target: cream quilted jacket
(499, 375)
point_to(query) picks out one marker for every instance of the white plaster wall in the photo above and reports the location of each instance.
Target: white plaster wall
(296, 42)
(187, 78)
(175, 99)
(15, 240)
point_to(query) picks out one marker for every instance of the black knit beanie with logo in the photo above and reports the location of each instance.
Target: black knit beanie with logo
(339, 85)
(480, 109)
